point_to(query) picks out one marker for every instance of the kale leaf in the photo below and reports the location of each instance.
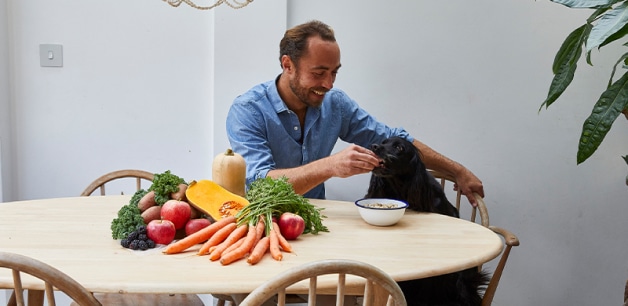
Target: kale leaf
(164, 184)
(129, 217)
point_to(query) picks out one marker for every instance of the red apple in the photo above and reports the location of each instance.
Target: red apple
(194, 225)
(178, 212)
(161, 231)
(291, 225)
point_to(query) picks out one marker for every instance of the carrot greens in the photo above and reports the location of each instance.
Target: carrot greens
(270, 198)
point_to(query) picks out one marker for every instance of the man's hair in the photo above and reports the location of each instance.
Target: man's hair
(294, 41)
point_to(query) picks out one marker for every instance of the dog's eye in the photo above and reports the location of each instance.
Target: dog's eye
(399, 148)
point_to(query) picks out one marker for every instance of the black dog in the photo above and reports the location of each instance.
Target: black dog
(403, 176)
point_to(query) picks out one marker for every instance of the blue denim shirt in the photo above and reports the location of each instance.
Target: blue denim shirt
(267, 134)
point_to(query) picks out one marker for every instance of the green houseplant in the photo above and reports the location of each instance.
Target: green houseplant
(607, 24)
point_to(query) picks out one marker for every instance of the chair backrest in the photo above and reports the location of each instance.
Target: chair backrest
(626, 294)
(372, 275)
(100, 182)
(51, 277)
(509, 238)
(474, 210)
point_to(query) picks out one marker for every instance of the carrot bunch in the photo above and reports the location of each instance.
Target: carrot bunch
(228, 242)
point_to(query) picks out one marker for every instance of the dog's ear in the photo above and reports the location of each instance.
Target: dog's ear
(377, 188)
(416, 158)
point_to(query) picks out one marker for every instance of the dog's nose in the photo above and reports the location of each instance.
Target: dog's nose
(374, 146)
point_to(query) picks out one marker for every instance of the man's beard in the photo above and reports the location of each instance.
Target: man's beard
(303, 93)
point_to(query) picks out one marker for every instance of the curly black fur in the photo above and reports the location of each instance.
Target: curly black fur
(403, 176)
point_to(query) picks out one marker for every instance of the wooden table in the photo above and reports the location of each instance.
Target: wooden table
(73, 234)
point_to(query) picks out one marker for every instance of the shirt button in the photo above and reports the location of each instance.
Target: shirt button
(296, 128)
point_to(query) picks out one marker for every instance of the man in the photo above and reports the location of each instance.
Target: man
(289, 126)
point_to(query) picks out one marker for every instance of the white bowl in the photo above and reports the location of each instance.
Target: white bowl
(381, 212)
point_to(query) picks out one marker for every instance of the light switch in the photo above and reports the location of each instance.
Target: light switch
(51, 55)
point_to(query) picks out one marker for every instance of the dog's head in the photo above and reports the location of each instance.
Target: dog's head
(399, 157)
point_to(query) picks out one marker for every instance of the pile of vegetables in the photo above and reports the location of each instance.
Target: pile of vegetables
(253, 231)
(129, 216)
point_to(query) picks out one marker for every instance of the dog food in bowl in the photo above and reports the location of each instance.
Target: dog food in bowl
(381, 212)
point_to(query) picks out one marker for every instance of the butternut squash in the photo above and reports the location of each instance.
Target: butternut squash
(214, 200)
(229, 171)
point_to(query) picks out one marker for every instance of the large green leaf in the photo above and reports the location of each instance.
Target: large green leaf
(596, 14)
(571, 48)
(617, 35)
(605, 112)
(585, 3)
(560, 82)
(565, 63)
(610, 23)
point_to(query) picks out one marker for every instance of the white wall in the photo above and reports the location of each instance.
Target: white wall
(5, 110)
(134, 92)
(147, 86)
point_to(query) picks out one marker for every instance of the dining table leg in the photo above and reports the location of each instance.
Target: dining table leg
(12, 301)
(35, 297)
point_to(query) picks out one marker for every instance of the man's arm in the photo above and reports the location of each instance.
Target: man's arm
(348, 162)
(466, 181)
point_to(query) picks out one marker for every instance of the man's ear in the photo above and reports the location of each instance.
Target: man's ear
(286, 63)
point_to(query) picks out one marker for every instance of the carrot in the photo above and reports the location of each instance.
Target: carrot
(283, 243)
(241, 251)
(234, 246)
(260, 229)
(238, 233)
(258, 251)
(217, 238)
(198, 237)
(274, 245)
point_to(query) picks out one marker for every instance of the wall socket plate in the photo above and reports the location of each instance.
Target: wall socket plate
(51, 55)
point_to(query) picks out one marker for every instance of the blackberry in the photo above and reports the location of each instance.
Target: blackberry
(132, 236)
(142, 245)
(133, 245)
(142, 237)
(141, 229)
(125, 243)
(150, 243)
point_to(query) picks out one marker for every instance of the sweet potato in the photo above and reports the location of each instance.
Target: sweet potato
(147, 201)
(180, 195)
(195, 213)
(152, 213)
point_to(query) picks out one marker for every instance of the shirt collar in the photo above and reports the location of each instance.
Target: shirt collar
(275, 99)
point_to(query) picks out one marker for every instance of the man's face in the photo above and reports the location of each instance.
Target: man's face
(316, 71)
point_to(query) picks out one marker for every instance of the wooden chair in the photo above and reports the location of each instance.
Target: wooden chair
(626, 294)
(136, 298)
(100, 182)
(509, 238)
(374, 277)
(53, 279)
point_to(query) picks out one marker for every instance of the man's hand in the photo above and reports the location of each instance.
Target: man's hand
(466, 181)
(352, 160)
(468, 184)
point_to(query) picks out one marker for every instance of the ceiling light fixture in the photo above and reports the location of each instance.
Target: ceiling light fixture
(232, 3)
